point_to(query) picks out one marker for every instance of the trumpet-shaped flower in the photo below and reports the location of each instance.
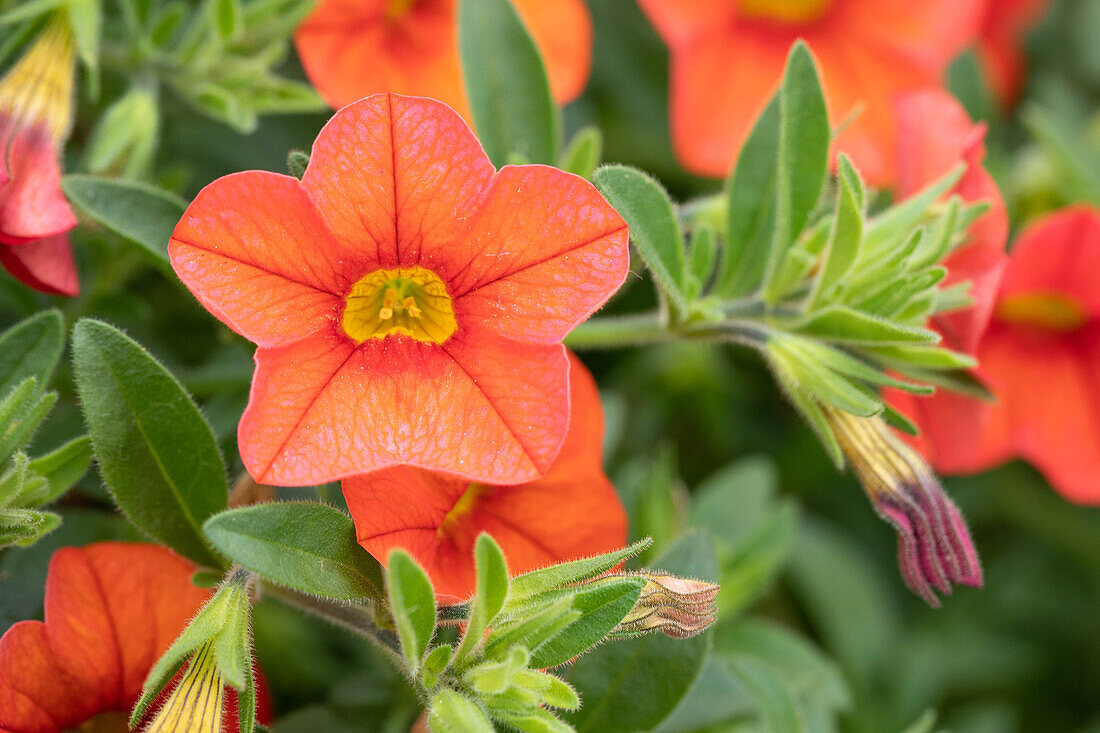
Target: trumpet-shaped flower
(1041, 356)
(727, 57)
(935, 135)
(112, 609)
(352, 48)
(409, 301)
(35, 113)
(571, 512)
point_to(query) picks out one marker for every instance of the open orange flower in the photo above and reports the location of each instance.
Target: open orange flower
(35, 112)
(727, 57)
(1041, 355)
(935, 134)
(352, 48)
(571, 512)
(409, 301)
(112, 609)
(1005, 23)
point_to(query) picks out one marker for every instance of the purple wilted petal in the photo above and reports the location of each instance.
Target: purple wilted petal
(934, 545)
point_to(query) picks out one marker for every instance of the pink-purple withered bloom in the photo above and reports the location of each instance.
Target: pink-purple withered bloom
(934, 545)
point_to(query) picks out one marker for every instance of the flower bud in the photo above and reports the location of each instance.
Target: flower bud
(677, 607)
(195, 705)
(934, 545)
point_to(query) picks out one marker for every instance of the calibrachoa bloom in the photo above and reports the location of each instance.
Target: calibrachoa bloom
(35, 114)
(112, 609)
(408, 301)
(352, 48)
(571, 512)
(934, 545)
(935, 134)
(1041, 355)
(727, 57)
(1003, 29)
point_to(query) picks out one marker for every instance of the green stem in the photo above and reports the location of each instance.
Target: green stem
(620, 331)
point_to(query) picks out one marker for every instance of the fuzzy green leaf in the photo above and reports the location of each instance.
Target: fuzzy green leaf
(157, 455)
(492, 592)
(583, 153)
(846, 234)
(31, 348)
(846, 325)
(536, 582)
(63, 467)
(602, 608)
(308, 546)
(412, 602)
(506, 83)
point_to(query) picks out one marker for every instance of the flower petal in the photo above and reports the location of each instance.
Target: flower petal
(323, 409)
(572, 511)
(562, 30)
(542, 254)
(396, 176)
(111, 610)
(44, 264)
(32, 205)
(255, 253)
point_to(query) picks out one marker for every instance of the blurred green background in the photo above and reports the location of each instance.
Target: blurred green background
(697, 436)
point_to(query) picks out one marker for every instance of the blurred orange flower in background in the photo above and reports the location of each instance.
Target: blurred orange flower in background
(408, 300)
(571, 512)
(112, 609)
(1041, 355)
(727, 57)
(1000, 47)
(35, 115)
(352, 48)
(935, 134)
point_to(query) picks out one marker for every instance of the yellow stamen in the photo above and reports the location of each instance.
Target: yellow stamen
(39, 87)
(463, 506)
(195, 705)
(407, 301)
(1049, 311)
(785, 11)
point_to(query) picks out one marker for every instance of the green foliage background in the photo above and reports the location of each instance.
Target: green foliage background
(817, 631)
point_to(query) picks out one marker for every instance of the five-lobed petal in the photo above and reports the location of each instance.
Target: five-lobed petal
(397, 183)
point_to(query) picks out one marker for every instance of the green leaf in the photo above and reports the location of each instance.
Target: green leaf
(155, 451)
(492, 592)
(143, 214)
(453, 712)
(31, 348)
(778, 708)
(506, 83)
(30, 9)
(602, 608)
(701, 258)
(715, 697)
(633, 685)
(21, 413)
(532, 627)
(846, 234)
(24, 527)
(304, 545)
(654, 229)
(804, 135)
(63, 466)
(84, 19)
(811, 412)
(228, 18)
(898, 221)
(536, 582)
(583, 153)
(927, 357)
(846, 325)
(750, 193)
(412, 602)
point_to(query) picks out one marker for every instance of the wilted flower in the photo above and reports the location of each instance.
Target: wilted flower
(677, 607)
(570, 512)
(408, 300)
(35, 115)
(934, 545)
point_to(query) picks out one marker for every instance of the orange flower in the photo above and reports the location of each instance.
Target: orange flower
(112, 609)
(1005, 23)
(935, 133)
(570, 512)
(1041, 355)
(727, 57)
(352, 48)
(408, 301)
(35, 113)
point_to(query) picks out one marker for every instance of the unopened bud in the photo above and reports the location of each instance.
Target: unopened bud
(677, 607)
(934, 545)
(195, 705)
